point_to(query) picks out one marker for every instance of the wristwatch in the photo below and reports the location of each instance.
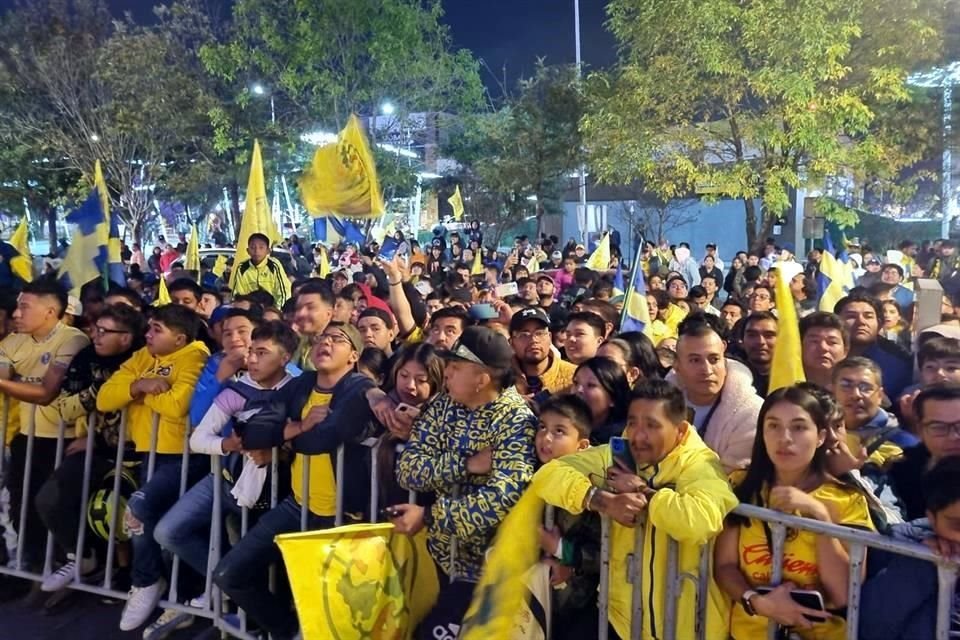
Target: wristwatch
(745, 601)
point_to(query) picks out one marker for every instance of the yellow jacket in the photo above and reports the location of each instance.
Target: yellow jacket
(268, 275)
(181, 369)
(693, 498)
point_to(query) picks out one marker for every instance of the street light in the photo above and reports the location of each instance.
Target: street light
(258, 89)
(387, 108)
(94, 138)
(582, 212)
(944, 78)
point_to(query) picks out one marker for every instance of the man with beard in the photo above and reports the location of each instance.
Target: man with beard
(538, 367)
(861, 314)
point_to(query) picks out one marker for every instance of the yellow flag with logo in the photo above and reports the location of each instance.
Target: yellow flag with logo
(220, 266)
(456, 201)
(256, 213)
(193, 250)
(20, 264)
(359, 581)
(477, 269)
(599, 260)
(786, 369)
(323, 263)
(342, 177)
(163, 296)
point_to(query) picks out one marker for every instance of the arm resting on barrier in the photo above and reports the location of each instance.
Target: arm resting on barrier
(114, 395)
(175, 403)
(206, 437)
(41, 394)
(694, 511)
(208, 386)
(349, 420)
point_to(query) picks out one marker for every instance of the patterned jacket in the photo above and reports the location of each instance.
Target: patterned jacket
(468, 507)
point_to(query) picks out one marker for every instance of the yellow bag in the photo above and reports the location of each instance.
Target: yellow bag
(359, 581)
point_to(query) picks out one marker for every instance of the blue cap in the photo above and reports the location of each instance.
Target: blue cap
(218, 314)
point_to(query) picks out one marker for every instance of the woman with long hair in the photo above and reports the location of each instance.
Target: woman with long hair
(602, 383)
(415, 378)
(789, 472)
(635, 354)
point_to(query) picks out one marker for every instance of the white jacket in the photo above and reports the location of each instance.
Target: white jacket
(733, 425)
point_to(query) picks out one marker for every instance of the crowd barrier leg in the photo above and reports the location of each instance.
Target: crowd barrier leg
(213, 594)
(858, 556)
(305, 494)
(85, 494)
(603, 601)
(274, 499)
(779, 535)
(703, 580)
(3, 432)
(58, 459)
(244, 526)
(341, 463)
(636, 577)
(674, 587)
(184, 473)
(115, 501)
(374, 482)
(946, 587)
(25, 493)
(154, 435)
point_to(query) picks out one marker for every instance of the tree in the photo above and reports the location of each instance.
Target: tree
(654, 218)
(90, 89)
(759, 97)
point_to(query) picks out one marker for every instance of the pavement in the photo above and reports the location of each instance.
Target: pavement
(81, 616)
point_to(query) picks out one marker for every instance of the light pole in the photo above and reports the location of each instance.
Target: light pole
(944, 78)
(582, 208)
(258, 89)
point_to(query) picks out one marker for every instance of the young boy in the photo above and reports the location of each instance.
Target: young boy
(900, 600)
(160, 379)
(571, 547)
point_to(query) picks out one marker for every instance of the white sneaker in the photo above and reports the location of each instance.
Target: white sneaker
(141, 601)
(200, 602)
(63, 576)
(169, 621)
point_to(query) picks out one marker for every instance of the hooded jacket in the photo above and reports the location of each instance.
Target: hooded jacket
(692, 499)
(180, 369)
(269, 275)
(733, 425)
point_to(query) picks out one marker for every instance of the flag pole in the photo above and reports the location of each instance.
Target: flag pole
(633, 278)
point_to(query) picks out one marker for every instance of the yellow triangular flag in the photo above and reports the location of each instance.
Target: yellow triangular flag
(20, 264)
(599, 260)
(787, 366)
(256, 214)
(342, 177)
(323, 263)
(193, 250)
(163, 296)
(220, 266)
(477, 269)
(456, 201)
(533, 264)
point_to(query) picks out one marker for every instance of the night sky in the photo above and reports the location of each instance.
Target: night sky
(511, 33)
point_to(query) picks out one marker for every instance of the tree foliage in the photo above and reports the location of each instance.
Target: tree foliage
(751, 99)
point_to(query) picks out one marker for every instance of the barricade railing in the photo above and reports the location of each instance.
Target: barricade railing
(857, 541)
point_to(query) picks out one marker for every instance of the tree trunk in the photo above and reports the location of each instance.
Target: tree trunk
(750, 219)
(138, 232)
(51, 215)
(766, 226)
(235, 206)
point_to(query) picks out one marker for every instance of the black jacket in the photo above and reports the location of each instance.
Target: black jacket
(904, 477)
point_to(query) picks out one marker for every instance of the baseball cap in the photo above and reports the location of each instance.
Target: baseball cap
(556, 255)
(349, 332)
(482, 346)
(529, 313)
(543, 275)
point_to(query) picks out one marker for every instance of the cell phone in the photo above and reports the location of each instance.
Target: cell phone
(620, 448)
(810, 599)
(506, 290)
(406, 408)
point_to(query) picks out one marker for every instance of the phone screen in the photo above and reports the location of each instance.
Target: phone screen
(620, 448)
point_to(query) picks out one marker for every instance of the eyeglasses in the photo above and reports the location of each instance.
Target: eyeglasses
(865, 388)
(539, 334)
(331, 337)
(102, 331)
(942, 429)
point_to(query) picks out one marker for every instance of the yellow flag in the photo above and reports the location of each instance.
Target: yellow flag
(323, 263)
(163, 296)
(219, 266)
(533, 264)
(836, 274)
(456, 201)
(342, 177)
(359, 581)
(787, 366)
(256, 213)
(193, 250)
(20, 264)
(599, 260)
(477, 269)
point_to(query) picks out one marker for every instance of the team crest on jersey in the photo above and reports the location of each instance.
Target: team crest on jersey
(164, 372)
(45, 358)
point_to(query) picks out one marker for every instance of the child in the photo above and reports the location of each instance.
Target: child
(571, 548)
(900, 600)
(158, 378)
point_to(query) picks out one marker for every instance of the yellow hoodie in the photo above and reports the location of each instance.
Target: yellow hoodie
(181, 369)
(693, 497)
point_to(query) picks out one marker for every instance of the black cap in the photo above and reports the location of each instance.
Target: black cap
(482, 346)
(529, 313)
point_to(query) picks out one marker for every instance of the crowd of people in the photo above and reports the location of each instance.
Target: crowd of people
(486, 375)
